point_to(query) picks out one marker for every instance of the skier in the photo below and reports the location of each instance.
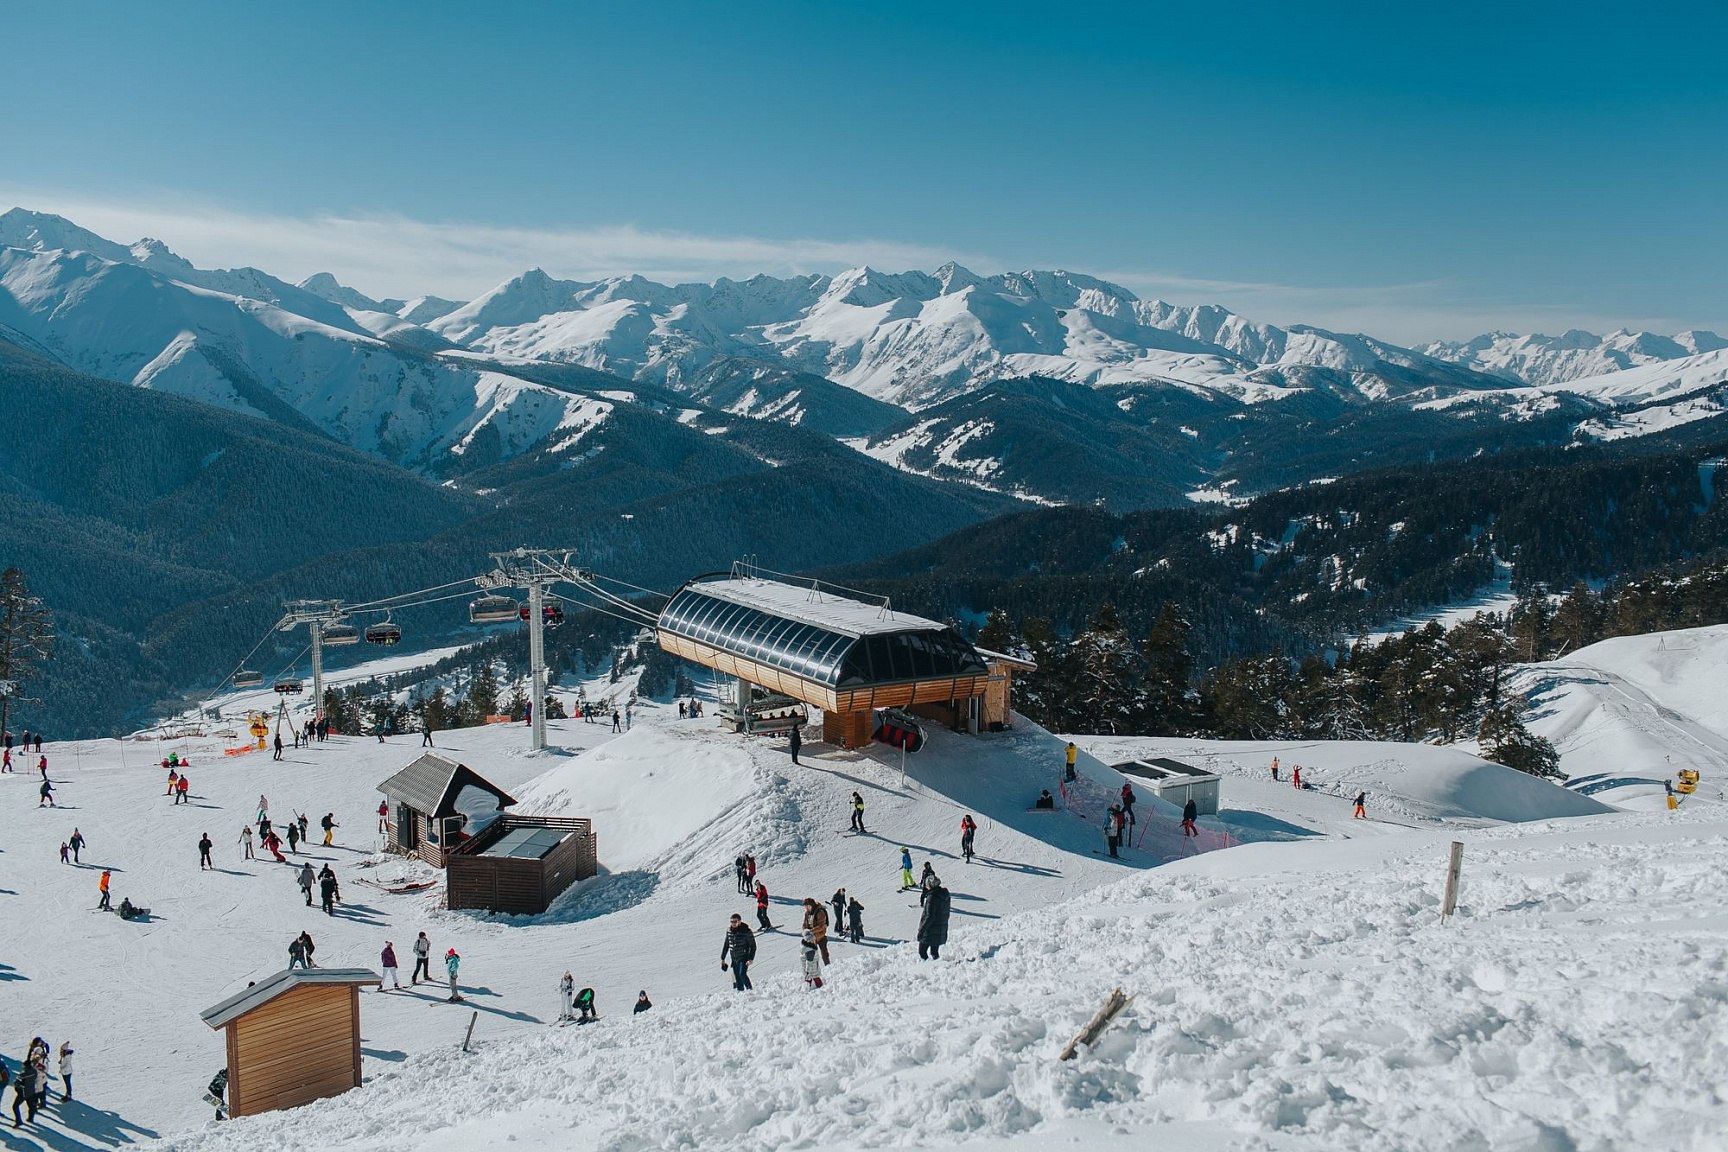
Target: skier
(65, 853)
(383, 817)
(838, 903)
(857, 813)
(740, 945)
(301, 818)
(1110, 838)
(76, 844)
(926, 881)
(1071, 753)
(815, 925)
(1296, 776)
(306, 880)
(933, 925)
(387, 961)
(738, 871)
(422, 958)
(274, 843)
(812, 961)
(617, 721)
(327, 890)
(263, 808)
(762, 907)
(794, 741)
(1188, 813)
(102, 887)
(968, 829)
(566, 995)
(855, 920)
(1274, 769)
(173, 779)
(181, 787)
(906, 882)
(642, 1003)
(278, 754)
(329, 825)
(1128, 799)
(204, 846)
(425, 734)
(1361, 812)
(451, 963)
(45, 794)
(65, 1070)
(585, 1013)
(246, 840)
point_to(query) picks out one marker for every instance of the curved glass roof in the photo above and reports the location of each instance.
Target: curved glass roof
(896, 647)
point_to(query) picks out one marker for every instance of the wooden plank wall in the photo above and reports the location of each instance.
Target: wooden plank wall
(302, 1046)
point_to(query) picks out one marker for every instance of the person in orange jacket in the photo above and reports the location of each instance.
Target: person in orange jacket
(102, 887)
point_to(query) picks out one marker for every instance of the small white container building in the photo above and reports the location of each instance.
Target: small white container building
(1176, 782)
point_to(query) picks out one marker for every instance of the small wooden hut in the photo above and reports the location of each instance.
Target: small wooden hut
(428, 812)
(519, 864)
(996, 711)
(292, 1038)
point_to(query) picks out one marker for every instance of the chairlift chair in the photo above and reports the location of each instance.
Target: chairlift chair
(340, 635)
(384, 633)
(551, 615)
(492, 610)
(246, 678)
(288, 686)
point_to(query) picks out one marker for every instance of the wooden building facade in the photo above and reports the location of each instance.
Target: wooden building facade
(425, 818)
(292, 1038)
(520, 864)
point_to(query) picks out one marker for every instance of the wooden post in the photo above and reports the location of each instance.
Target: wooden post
(1095, 1027)
(1454, 867)
(475, 1015)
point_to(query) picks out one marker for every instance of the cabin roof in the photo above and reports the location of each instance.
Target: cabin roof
(267, 989)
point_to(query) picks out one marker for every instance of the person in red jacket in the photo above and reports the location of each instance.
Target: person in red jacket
(1128, 799)
(762, 906)
(180, 787)
(968, 829)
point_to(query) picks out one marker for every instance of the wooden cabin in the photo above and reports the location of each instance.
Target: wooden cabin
(434, 804)
(292, 1038)
(834, 652)
(519, 864)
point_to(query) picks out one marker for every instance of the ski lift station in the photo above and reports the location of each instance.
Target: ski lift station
(1176, 782)
(843, 655)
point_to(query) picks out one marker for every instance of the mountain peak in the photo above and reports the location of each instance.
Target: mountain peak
(46, 232)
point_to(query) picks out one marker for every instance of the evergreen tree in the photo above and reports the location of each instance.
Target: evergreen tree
(1530, 621)
(1505, 740)
(1106, 672)
(1578, 620)
(997, 634)
(483, 693)
(1167, 694)
(26, 639)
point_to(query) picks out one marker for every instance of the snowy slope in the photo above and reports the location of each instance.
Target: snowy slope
(1573, 355)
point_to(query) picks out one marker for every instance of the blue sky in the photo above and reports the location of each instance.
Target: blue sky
(1415, 171)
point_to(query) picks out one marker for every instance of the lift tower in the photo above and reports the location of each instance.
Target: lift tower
(316, 615)
(534, 570)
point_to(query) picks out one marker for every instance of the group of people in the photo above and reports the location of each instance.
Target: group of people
(689, 711)
(578, 1006)
(30, 1087)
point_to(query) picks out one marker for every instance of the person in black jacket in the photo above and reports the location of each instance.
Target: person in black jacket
(1189, 811)
(642, 1003)
(933, 923)
(794, 741)
(740, 946)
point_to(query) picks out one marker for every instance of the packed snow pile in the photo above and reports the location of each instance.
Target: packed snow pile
(1290, 996)
(1410, 783)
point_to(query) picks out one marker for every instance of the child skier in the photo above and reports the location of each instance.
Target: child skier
(906, 881)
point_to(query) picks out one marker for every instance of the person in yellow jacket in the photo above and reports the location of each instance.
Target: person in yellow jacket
(1072, 753)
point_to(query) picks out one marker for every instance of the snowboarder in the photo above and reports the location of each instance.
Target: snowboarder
(738, 870)
(838, 903)
(642, 1003)
(1045, 800)
(306, 880)
(1274, 769)
(65, 1070)
(968, 829)
(926, 881)
(1128, 799)
(102, 887)
(422, 959)
(906, 881)
(387, 961)
(246, 840)
(794, 741)
(813, 961)
(76, 843)
(1071, 753)
(585, 1013)
(204, 846)
(740, 946)
(451, 963)
(762, 907)
(933, 924)
(1189, 811)
(329, 825)
(1360, 801)
(815, 925)
(857, 813)
(566, 995)
(296, 953)
(855, 920)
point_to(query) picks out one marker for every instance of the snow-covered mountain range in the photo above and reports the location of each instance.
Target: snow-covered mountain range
(444, 386)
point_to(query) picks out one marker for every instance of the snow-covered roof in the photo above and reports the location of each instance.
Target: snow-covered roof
(818, 606)
(430, 785)
(271, 987)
